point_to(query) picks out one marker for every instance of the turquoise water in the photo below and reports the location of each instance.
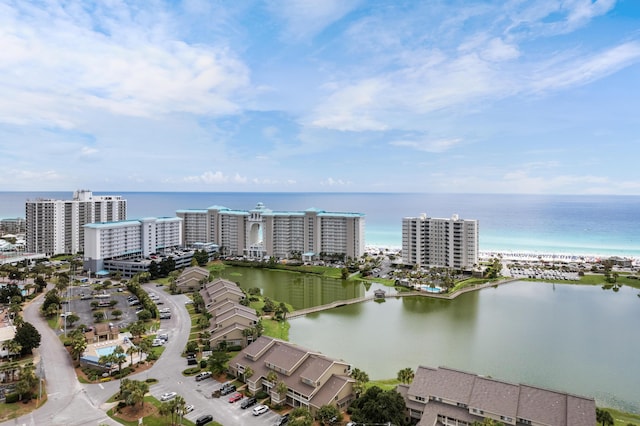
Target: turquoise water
(598, 224)
(105, 351)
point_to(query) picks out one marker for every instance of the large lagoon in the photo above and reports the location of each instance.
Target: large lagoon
(579, 339)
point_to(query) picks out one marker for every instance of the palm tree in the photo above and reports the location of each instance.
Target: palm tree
(406, 375)
(361, 379)
(12, 347)
(119, 357)
(78, 344)
(248, 372)
(130, 351)
(281, 389)
(272, 376)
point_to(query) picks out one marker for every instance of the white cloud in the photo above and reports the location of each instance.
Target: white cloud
(306, 18)
(334, 182)
(435, 146)
(583, 70)
(208, 177)
(56, 60)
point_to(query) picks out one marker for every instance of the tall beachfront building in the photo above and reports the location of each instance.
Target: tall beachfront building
(262, 232)
(129, 239)
(56, 226)
(434, 242)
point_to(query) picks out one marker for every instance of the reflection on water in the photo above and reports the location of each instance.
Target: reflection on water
(578, 339)
(300, 290)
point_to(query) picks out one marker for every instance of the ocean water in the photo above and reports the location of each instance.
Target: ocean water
(571, 224)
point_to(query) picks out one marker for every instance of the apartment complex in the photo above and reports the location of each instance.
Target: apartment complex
(56, 226)
(229, 318)
(312, 379)
(443, 396)
(262, 232)
(129, 239)
(434, 242)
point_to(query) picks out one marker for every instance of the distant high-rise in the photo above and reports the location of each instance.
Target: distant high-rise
(263, 232)
(56, 226)
(449, 243)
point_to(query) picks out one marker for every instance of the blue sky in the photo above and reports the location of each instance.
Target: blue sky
(327, 95)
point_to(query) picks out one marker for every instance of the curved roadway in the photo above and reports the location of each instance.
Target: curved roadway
(71, 403)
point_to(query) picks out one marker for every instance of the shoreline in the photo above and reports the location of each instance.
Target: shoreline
(525, 256)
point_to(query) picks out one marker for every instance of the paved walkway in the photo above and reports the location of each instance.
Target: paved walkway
(449, 296)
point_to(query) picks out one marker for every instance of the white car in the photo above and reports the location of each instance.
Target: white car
(189, 408)
(168, 395)
(260, 409)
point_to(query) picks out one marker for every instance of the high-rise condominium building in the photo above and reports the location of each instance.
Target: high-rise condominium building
(433, 242)
(282, 234)
(56, 226)
(129, 239)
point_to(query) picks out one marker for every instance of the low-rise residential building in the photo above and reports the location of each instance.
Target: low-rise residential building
(192, 279)
(312, 379)
(229, 319)
(444, 396)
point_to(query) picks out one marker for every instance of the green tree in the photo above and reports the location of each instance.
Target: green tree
(604, 417)
(361, 379)
(78, 344)
(12, 347)
(116, 313)
(28, 337)
(217, 362)
(131, 350)
(71, 319)
(379, 406)
(119, 357)
(406, 375)
(144, 315)
(272, 376)
(326, 415)
(137, 330)
(300, 417)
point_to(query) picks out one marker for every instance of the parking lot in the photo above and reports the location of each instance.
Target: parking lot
(80, 298)
(198, 394)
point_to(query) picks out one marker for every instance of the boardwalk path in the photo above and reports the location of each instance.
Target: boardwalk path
(302, 312)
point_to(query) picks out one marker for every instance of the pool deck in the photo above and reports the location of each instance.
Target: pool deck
(123, 341)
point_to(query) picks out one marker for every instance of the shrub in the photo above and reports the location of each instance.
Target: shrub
(236, 348)
(11, 398)
(203, 363)
(191, 371)
(262, 395)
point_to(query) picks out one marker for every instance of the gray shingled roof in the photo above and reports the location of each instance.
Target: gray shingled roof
(541, 406)
(494, 396)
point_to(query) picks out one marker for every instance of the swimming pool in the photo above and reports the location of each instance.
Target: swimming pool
(430, 289)
(108, 350)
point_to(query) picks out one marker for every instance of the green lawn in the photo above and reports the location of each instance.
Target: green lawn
(277, 329)
(152, 420)
(623, 419)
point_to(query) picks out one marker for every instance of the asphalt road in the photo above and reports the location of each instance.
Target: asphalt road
(71, 403)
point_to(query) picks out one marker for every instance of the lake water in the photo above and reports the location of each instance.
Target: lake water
(579, 339)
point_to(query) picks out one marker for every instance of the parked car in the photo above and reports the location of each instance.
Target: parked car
(203, 375)
(189, 408)
(260, 409)
(283, 420)
(235, 397)
(227, 388)
(203, 420)
(191, 359)
(248, 402)
(168, 395)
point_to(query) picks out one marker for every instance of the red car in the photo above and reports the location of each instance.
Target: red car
(235, 397)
